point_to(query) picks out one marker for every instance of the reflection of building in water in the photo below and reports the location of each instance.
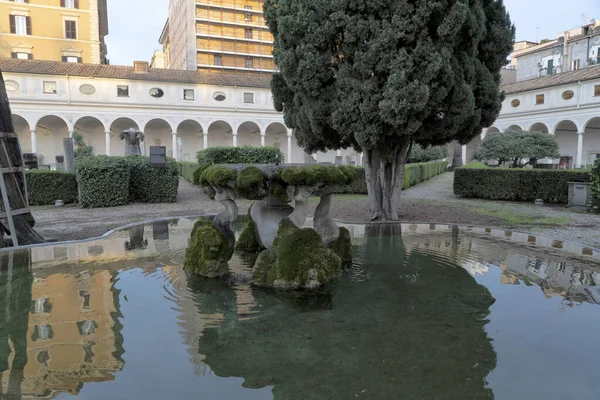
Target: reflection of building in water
(72, 335)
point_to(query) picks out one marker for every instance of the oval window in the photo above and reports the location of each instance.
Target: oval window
(11, 86)
(515, 103)
(568, 95)
(156, 93)
(87, 89)
(219, 96)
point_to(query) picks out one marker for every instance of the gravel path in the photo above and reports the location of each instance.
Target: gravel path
(432, 201)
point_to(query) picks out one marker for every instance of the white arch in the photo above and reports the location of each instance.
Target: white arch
(18, 114)
(182, 120)
(585, 126)
(112, 121)
(212, 121)
(491, 129)
(65, 120)
(539, 123)
(82, 116)
(553, 131)
(158, 119)
(514, 125)
(237, 129)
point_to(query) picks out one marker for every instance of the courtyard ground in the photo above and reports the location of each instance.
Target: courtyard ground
(431, 201)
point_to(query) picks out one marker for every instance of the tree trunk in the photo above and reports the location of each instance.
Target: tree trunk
(385, 178)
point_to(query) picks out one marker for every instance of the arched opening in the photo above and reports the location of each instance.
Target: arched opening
(591, 142)
(117, 146)
(249, 134)
(492, 129)
(50, 132)
(158, 132)
(472, 146)
(92, 131)
(220, 133)
(566, 136)
(192, 136)
(539, 127)
(514, 128)
(23, 131)
(276, 136)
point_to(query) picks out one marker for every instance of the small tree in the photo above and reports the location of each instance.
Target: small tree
(82, 149)
(514, 147)
(382, 75)
(420, 154)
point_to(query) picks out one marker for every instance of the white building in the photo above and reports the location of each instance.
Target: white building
(186, 111)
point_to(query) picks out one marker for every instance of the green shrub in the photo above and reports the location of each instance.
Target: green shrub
(314, 174)
(476, 165)
(418, 154)
(239, 155)
(45, 187)
(516, 184)
(217, 176)
(151, 184)
(251, 183)
(595, 178)
(103, 181)
(187, 169)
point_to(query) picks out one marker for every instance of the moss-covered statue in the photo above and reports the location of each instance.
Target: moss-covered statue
(293, 256)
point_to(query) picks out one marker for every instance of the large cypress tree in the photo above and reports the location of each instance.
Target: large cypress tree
(381, 75)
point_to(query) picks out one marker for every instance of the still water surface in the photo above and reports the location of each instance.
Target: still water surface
(426, 312)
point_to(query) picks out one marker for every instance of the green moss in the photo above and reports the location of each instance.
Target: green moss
(197, 177)
(343, 247)
(249, 240)
(217, 176)
(251, 183)
(315, 174)
(297, 260)
(208, 252)
(278, 189)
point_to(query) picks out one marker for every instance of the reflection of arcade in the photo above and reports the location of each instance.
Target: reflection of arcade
(66, 329)
(414, 330)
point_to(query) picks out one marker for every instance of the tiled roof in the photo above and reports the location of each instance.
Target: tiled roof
(565, 78)
(122, 72)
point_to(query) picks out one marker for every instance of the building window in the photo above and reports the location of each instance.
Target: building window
(539, 99)
(21, 56)
(11, 86)
(122, 91)
(219, 96)
(188, 94)
(248, 33)
(575, 65)
(515, 103)
(86, 328)
(597, 91)
(86, 299)
(20, 24)
(249, 98)
(249, 63)
(71, 29)
(69, 3)
(247, 15)
(71, 59)
(86, 89)
(219, 60)
(42, 332)
(50, 87)
(568, 95)
(42, 306)
(157, 93)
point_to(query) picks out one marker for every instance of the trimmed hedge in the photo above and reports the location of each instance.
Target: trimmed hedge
(149, 184)
(187, 169)
(595, 178)
(239, 155)
(103, 181)
(516, 184)
(413, 174)
(45, 187)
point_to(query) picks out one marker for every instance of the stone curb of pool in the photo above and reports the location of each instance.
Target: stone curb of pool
(588, 252)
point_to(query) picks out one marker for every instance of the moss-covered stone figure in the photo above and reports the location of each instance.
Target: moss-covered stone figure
(297, 260)
(209, 251)
(217, 175)
(342, 246)
(251, 183)
(249, 240)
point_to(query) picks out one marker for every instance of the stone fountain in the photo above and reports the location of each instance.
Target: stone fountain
(291, 256)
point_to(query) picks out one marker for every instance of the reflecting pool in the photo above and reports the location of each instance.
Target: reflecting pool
(426, 312)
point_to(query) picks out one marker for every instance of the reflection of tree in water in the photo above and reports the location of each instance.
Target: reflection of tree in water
(414, 330)
(16, 280)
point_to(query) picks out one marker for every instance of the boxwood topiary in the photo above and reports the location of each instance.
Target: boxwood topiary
(103, 181)
(152, 184)
(45, 187)
(315, 174)
(240, 155)
(217, 176)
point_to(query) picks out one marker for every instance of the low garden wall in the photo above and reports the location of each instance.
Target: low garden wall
(516, 184)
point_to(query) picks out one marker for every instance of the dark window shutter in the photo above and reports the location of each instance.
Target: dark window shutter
(28, 21)
(76, 3)
(62, 3)
(64, 58)
(13, 55)
(30, 56)
(13, 24)
(79, 60)
(26, 1)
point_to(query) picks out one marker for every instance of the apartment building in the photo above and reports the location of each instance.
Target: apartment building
(570, 51)
(54, 30)
(218, 36)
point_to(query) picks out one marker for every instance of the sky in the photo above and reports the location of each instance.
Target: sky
(135, 25)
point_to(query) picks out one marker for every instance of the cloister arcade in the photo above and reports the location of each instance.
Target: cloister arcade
(182, 138)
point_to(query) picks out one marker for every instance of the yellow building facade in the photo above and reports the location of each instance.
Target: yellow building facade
(54, 30)
(218, 36)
